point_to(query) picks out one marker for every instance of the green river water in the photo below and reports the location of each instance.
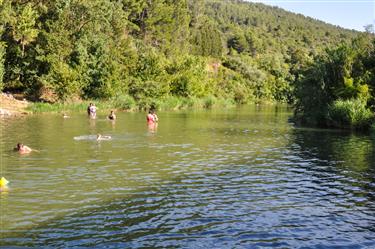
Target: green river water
(236, 178)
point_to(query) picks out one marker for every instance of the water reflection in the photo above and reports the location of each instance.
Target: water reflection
(345, 149)
(113, 124)
(152, 128)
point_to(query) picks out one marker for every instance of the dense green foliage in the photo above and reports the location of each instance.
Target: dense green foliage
(350, 114)
(337, 88)
(146, 51)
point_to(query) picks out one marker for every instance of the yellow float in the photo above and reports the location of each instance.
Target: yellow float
(3, 182)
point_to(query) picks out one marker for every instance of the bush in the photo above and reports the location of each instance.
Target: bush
(372, 129)
(225, 103)
(189, 77)
(124, 102)
(81, 106)
(193, 103)
(351, 114)
(141, 90)
(209, 102)
(171, 103)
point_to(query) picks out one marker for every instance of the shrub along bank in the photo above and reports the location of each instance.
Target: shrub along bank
(127, 103)
(337, 88)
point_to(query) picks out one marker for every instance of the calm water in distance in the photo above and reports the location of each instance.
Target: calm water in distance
(237, 178)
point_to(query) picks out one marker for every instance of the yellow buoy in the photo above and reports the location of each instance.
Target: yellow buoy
(3, 182)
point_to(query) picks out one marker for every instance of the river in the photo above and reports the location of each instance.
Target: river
(237, 178)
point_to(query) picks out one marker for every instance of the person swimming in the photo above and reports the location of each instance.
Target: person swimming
(23, 149)
(91, 111)
(112, 116)
(100, 137)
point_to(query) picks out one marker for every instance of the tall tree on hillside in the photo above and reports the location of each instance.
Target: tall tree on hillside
(137, 13)
(24, 28)
(206, 39)
(166, 25)
(237, 41)
(21, 30)
(88, 49)
(5, 11)
(196, 10)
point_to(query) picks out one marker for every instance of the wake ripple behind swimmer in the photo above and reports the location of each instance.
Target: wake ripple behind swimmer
(85, 137)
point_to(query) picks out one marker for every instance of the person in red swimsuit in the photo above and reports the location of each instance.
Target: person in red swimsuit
(152, 120)
(150, 117)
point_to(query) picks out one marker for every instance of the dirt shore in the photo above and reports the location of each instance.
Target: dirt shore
(10, 106)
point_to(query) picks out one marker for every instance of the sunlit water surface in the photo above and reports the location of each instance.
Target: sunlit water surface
(238, 178)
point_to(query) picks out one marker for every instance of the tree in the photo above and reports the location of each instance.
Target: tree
(339, 80)
(5, 10)
(166, 25)
(188, 77)
(2, 59)
(206, 39)
(24, 28)
(238, 42)
(62, 49)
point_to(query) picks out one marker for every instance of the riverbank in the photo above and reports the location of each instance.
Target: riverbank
(127, 103)
(11, 106)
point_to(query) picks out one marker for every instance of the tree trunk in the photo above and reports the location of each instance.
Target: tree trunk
(23, 49)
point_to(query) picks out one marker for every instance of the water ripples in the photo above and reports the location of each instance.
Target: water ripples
(219, 188)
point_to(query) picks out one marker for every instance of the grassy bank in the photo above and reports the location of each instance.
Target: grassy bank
(127, 103)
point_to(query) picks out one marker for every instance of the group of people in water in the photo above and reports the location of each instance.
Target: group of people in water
(91, 111)
(152, 122)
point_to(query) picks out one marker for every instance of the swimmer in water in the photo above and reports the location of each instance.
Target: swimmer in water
(100, 137)
(151, 117)
(23, 149)
(152, 121)
(91, 111)
(112, 115)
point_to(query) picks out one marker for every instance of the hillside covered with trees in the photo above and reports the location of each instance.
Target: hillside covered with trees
(140, 51)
